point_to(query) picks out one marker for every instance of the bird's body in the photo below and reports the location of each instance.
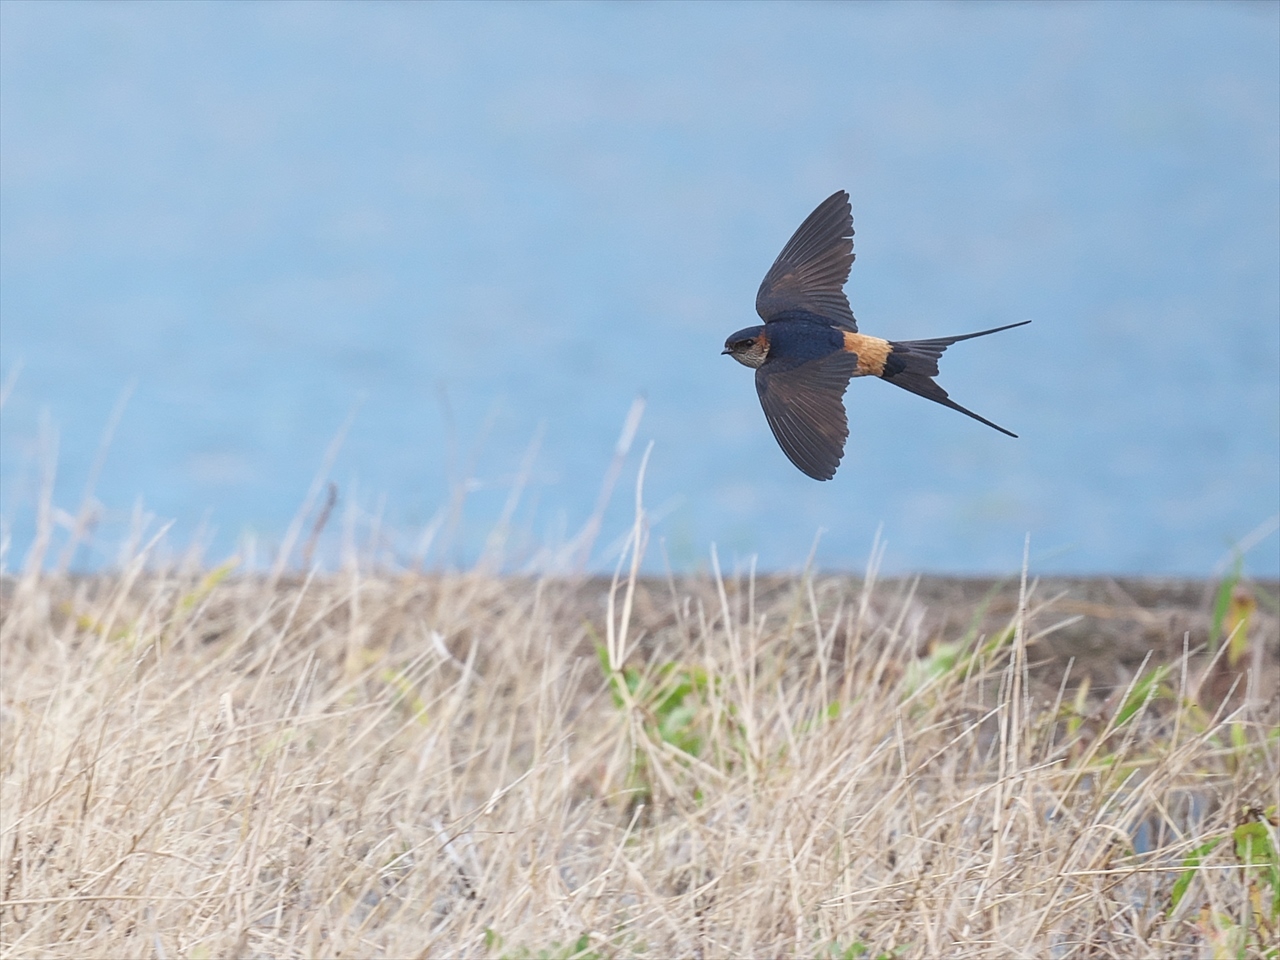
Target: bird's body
(809, 346)
(802, 336)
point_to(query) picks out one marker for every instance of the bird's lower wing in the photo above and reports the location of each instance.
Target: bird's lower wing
(804, 404)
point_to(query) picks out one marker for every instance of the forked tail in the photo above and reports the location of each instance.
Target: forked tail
(912, 365)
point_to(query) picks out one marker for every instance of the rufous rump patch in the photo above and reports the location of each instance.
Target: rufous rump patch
(872, 353)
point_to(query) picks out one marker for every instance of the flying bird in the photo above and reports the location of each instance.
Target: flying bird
(809, 346)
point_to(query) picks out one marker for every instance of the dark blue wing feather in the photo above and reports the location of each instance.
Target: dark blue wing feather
(811, 271)
(804, 404)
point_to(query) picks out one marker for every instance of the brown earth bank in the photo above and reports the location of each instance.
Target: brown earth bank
(1100, 630)
(1106, 626)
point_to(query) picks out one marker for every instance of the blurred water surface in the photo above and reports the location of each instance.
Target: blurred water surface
(471, 223)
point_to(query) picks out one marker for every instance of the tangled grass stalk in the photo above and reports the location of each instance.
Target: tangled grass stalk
(363, 764)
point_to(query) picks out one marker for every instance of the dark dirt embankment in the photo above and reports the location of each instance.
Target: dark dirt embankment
(1101, 627)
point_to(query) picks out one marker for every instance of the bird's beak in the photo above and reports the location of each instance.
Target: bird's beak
(724, 351)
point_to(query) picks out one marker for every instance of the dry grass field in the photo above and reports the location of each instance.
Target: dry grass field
(200, 764)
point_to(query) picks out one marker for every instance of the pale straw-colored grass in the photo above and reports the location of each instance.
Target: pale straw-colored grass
(395, 765)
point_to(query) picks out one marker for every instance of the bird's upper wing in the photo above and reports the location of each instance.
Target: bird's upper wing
(810, 272)
(804, 404)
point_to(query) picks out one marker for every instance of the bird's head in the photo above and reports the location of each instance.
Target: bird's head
(749, 347)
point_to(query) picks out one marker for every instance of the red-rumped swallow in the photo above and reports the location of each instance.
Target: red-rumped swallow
(809, 346)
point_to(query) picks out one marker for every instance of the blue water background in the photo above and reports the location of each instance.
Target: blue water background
(477, 224)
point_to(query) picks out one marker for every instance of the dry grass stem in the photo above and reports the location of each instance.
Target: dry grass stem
(199, 764)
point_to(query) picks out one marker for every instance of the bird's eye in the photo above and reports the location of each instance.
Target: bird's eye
(746, 344)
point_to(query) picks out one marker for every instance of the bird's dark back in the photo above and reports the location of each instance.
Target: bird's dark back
(799, 337)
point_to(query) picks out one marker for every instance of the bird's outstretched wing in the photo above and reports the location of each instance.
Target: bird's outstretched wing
(804, 404)
(810, 272)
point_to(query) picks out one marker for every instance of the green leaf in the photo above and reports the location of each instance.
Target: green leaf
(1190, 864)
(206, 584)
(1255, 850)
(1239, 737)
(1146, 687)
(1253, 844)
(1222, 603)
